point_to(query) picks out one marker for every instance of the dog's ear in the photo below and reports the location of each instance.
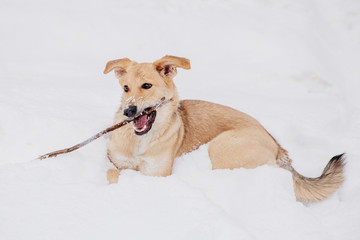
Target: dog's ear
(119, 66)
(167, 65)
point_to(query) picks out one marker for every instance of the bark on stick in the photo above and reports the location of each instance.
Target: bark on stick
(109, 129)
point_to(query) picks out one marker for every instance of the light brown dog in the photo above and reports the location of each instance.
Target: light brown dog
(151, 144)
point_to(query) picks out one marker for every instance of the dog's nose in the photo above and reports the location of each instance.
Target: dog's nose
(130, 111)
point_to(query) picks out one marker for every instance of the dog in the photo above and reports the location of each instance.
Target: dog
(236, 140)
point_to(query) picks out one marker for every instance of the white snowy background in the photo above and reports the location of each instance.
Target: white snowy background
(293, 65)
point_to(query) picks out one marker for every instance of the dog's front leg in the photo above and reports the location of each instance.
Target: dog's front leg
(113, 175)
(115, 165)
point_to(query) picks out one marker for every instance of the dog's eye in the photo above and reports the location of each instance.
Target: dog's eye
(126, 88)
(146, 85)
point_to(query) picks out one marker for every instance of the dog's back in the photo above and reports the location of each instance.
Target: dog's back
(203, 121)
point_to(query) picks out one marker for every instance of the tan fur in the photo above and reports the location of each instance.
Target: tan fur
(236, 139)
(119, 63)
(113, 175)
(310, 189)
(177, 61)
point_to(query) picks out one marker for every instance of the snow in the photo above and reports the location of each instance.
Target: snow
(293, 65)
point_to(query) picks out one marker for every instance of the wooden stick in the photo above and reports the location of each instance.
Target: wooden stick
(109, 129)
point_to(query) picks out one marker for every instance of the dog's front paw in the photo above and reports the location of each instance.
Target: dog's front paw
(113, 175)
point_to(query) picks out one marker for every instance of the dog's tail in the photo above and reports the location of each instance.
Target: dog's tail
(314, 189)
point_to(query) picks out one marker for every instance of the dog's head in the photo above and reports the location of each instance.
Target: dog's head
(144, 84)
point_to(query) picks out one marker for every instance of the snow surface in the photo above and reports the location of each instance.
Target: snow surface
(293, 65)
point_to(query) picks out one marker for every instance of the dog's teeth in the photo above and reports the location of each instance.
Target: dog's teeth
(141, 130)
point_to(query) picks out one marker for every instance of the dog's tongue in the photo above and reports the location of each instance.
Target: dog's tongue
(140, 123)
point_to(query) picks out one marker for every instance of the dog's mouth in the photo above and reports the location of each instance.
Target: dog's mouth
(143, 124)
